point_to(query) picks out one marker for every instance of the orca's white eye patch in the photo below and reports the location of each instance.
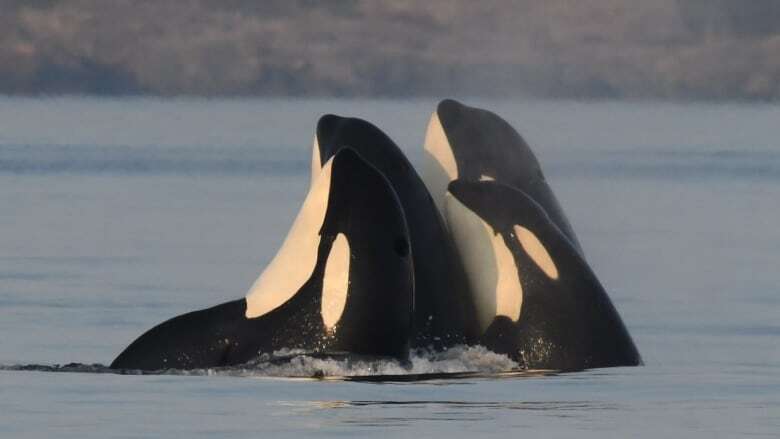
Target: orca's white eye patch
(536, 251)
(335, 282)
(485, 177)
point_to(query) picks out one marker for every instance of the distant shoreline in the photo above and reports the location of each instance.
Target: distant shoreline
(389, 98)
(664, 50)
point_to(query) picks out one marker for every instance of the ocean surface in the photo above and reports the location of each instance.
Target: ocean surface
(118, 214)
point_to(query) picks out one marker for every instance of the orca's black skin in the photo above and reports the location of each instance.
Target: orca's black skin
(484, 144)
(377, 317)
(568, 323)
(443, 315)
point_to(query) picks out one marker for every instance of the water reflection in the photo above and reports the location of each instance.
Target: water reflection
(412, 412)
(450, 377)
(252, 371)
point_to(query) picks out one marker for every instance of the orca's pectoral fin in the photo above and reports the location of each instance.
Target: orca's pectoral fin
(198, 339)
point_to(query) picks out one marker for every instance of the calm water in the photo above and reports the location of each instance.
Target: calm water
(116, 215)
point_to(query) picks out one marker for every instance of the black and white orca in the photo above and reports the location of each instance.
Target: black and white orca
(442, 310)
(537, 299)
(473, 144)
(343, 281)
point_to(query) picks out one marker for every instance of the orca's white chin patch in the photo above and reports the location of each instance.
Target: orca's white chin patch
(490, 267)
(294, 264)
(335, 282)
(439, 165)
(316, 161)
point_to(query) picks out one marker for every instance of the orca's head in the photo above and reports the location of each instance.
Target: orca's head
(526, 274)
(496, 241)
(346, 263)
(472, 144)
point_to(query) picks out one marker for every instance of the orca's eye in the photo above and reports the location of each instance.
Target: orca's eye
(401, 247)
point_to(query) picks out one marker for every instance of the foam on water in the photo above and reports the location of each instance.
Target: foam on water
(459, 359)
(455, 361)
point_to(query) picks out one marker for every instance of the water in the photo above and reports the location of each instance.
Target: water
(118, 214)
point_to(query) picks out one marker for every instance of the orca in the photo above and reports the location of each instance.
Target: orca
(343, 281)
(537, 299)
(473, 144)
(442, 309)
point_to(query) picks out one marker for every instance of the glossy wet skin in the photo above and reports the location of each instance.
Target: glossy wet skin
(374, 320)
(381, 207)
(483, 146)
(443, 315)
(567, 321)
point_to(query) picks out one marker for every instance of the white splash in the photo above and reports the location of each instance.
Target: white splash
(422, 365)
(298, 364)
